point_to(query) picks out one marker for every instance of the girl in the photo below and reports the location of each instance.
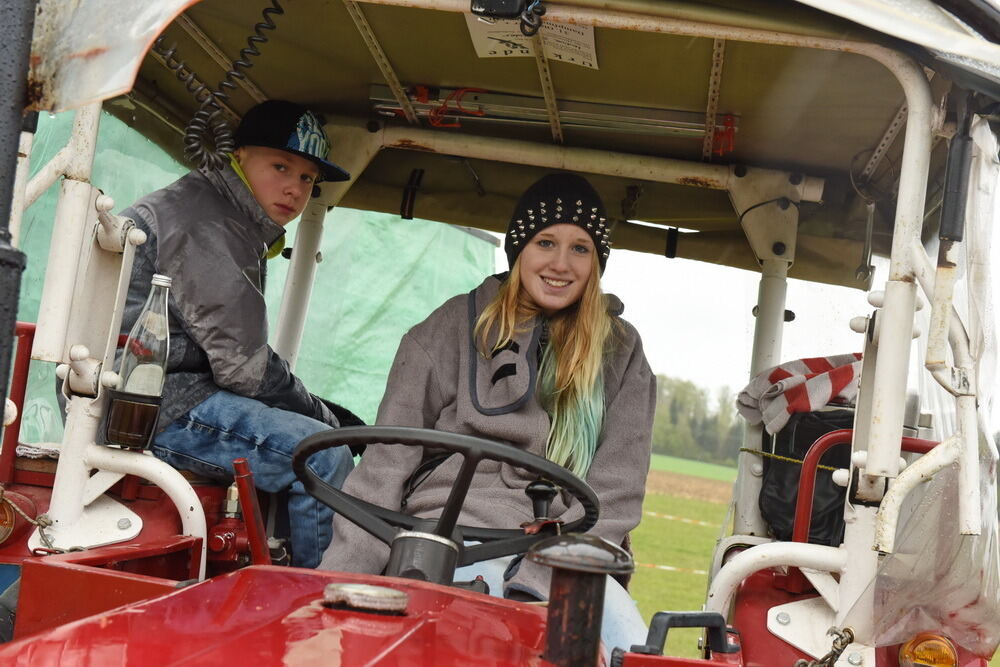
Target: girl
(540, 358)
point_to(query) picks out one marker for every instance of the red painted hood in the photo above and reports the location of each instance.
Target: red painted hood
(273, 616)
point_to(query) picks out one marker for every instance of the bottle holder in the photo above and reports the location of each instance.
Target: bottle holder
(132, 419)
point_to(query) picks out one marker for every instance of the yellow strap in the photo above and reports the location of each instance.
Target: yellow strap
(779, 457)
(276, 247)
(235, 164)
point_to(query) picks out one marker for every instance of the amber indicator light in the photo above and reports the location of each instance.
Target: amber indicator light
(928, 650)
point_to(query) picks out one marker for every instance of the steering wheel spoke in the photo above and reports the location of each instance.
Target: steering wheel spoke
(498, 548)
(459, 489)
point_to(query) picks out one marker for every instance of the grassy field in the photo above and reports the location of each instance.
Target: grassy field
(663, 540)
(686, 504)
(693, 468)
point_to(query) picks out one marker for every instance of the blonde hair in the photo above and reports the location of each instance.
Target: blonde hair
(570, 382)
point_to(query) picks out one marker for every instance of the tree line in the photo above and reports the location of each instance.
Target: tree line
(693, 423)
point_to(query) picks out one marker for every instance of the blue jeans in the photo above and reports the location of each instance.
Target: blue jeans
(225, 426)
(621, 623)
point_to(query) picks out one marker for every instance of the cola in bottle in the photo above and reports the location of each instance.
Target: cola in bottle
(135, 403)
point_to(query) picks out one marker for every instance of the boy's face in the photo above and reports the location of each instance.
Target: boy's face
(281, 181)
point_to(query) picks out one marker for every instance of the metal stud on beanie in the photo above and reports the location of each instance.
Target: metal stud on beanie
(560, 198)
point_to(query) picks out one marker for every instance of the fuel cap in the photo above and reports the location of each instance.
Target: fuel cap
(582, 553)
(365, 597)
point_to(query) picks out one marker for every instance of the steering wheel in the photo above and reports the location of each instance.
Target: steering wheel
(384, 523)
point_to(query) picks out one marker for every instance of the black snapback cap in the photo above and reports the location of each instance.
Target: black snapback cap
(289, 127)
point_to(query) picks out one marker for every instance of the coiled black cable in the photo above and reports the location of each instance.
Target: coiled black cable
(208, 139)
(198, 90)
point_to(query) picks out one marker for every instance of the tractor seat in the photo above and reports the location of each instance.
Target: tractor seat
(48, 465)
(195, 479)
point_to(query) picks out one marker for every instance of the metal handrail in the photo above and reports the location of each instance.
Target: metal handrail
(810, 463)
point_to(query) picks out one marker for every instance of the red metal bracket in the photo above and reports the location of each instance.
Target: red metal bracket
(65, 587)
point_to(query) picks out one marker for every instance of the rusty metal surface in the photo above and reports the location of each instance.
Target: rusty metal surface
(90, 50)
(576, 604)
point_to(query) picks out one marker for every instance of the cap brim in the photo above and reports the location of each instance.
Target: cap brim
(328, 170)
(332, 172)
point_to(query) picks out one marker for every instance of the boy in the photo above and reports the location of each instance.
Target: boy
(227, 394)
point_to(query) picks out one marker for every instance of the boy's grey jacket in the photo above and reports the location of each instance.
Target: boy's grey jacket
(208, 233)
(439, 381)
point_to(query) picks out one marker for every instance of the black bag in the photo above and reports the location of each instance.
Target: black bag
(779, 487)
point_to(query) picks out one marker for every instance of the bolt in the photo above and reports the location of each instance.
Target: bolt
(124, 524)
(778, 248)
(783, 618)
(217, 543)
(856, 659)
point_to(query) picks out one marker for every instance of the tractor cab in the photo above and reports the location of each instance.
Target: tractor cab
(812, 140)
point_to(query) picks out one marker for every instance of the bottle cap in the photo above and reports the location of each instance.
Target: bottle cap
(161, 280)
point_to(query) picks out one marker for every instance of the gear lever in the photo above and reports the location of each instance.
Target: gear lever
(541, 492)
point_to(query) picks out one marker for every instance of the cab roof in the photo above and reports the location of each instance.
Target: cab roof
(833, 114)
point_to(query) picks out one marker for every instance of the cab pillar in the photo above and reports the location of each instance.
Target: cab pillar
(767, 204)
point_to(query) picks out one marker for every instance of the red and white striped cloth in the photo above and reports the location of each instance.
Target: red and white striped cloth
(802, 385)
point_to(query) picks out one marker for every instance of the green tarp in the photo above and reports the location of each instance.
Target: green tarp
(379, 276)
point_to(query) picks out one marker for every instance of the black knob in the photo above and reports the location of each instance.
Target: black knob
(541, 492)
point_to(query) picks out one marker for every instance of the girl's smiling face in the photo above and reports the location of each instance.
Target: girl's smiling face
(556, 265)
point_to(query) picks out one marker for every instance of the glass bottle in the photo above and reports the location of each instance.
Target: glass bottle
(135, 403)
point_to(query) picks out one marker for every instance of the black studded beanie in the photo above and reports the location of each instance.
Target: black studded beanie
(560, 198)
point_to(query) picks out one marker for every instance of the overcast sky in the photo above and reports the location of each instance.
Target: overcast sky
(696, 318)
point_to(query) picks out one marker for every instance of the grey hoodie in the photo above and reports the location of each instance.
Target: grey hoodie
(208, 233)
(439, 381)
